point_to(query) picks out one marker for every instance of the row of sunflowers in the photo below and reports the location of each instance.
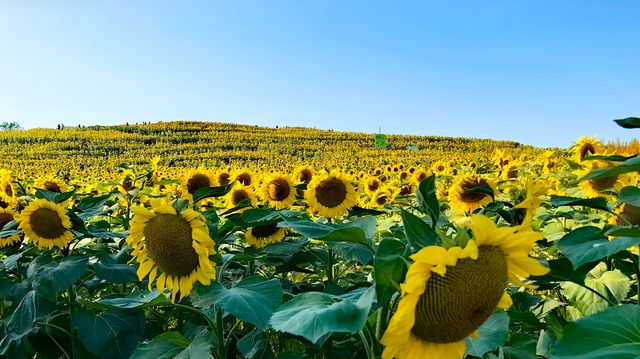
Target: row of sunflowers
(516, 253)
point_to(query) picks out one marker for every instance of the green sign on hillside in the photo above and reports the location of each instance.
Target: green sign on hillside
(381, 141)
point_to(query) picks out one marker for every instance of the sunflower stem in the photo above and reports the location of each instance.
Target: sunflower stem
(381, 322)
(330, 266)
(72, 304)
(222, 346)
(365, 344)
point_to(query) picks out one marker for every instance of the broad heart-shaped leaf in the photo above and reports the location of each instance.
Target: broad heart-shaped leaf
(111, 334)
(602, 281)
(596, 203)
(630, 195)
(173, 345)
(115, 272)
(208, 192)
(315, 315)
(630, 165)
(389, 268)
(417, 231)
(357, 231)
(352, 251)
(52, 277)
(253, 299)
(255, 345)
(427, 199)
(54, 196)
(92, 206)
(589, 244)
(629, 122)
(493, 334)
(613, 333)
(133, 300)
(31, 307)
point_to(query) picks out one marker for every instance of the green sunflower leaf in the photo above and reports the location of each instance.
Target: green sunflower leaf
(208, 192)
(427, 199)
(630, 165)
(613, 333)
(629, 122)
(492, 335)
(595, 203)
(589, 244)
(389, 268)
(630, 195)
(173, 345)
(418, 232)
(112, 334)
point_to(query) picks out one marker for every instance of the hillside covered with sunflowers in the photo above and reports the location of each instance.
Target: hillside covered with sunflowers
(214, 240)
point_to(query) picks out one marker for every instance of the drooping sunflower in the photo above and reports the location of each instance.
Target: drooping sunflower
(449, 293)
(261, 236)
(195, 179)
(6, 216)
(51, 184)
(278, 191)
(586, 145)
(383, 196)
(238, 194)
(172, 248)
(45, 224)
(245, 177)
(8, 190)
(627, 214)
(331, 195)
(595, 187)
(303, 174)
(463, 197)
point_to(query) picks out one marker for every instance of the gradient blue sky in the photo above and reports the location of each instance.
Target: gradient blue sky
(538, 72)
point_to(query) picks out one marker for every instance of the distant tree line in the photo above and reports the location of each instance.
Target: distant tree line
(10, 126)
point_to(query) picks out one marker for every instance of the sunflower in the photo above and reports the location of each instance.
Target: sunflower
(196, 179)
(586, 145)
(261, 236)
(439, 167)
(8, 191)
(595, 187)
(51, 184)
(245, 178)
(331, 195)
(238, 194)
(462, 196)
(45, 224)
(303, 174)
(532, 201)
(421, 175)
(371, 185)
(278, 191)
(6, 216)
(627, 214)
(172, 248)
(223, 178)
(436, 312)
(383, 196)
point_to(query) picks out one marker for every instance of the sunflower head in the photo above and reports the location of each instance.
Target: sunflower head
(383, 196)
(196, 179)
(627, 214)
(223, 178)
(6, 216)
(586, 145)
(595, 187)
(439, 167)
(171, 247)
(421, 175)
(436, 313)
(331, 195)
(372, 184)
(238, 194)
(470, 192)
(46, 224)
(303, 174)
(261, 236)
(278, 191)
(245, 178)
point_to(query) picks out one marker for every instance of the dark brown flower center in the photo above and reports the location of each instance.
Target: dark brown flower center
(468, 195)
(305, 176)
(279, 189)
(631, 214)
(373, 185)
(168, 239)
(603, 183)
(244, 178)
(3, 204)
(4, 219)
(381, 200)
(455, 305)
(238, 196)
(224, 178)
(46, 223)
(197, 181)
(264, 231)
(8, 190)
(586, 148)
(52, 187)
(331, 192)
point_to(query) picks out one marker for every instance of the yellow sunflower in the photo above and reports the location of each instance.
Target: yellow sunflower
(261, 236)
(436, 312)
(245, 177)
(195, 179)
(371, 185)
(8, 190)
(461, 195)
(420, 175)
(303, 174)
(6, 216)
(383, 196)
(331, 195)
(51, 184)
(627, 214)
(223, 177)
(586, 145)
(439, 167)
(595, 187)
(172, 248)
(238, 194)
(278, 191)
(45, 224)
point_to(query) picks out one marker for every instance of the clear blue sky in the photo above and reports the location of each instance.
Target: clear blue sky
(538, 72)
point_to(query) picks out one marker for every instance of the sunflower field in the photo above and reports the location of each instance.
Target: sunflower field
(211, 240)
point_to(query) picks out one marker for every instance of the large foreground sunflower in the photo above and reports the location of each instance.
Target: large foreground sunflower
(449, 293)
(6, 216)
(463, 194)
(278, 191)
(331, 195)
(172, 248)
(45, 224)
(261, 236)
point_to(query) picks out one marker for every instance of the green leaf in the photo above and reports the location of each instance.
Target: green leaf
(115, 272)
(493, 334)
(51, 278)
(520, 346)
(596, 203)
(254, 345)
(623, 231)
(602, 281)
(417, 231)
(31, 307)
(253, 299)
(54, 196)
(427, 199)
(589, 244)
(629, 122)
(92, 206)
(131, 301)
(208, 192)
(613, 333)
(630, 165)
(315, 315)
(630, 195)
(562, 270)
(389, 268)
(174, 345)
(110, 335)
(352, 251)
(355, 231)
(356, 211)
